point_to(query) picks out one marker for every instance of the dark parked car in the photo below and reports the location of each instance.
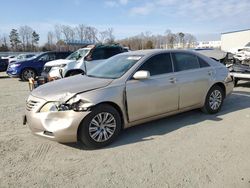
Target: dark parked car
(3, 65)
(33, 67)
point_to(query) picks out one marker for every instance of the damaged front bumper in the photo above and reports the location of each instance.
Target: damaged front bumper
(61, 126)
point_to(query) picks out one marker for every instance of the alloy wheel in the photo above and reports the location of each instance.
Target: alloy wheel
(102, 127)
(215, 100)
(28, 74)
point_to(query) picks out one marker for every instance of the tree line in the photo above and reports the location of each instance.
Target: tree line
(169, 40)
(62, 36)
(22, 39)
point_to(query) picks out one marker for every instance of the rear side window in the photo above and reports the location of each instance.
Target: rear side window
(112, 51)
(158, 64)
(98, 54)
(62, 55)
(48, 57)
(185, 61)
(203, 63)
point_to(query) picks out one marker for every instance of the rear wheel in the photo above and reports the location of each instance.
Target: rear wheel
(214, 100)
(28, 73)
(100, 127)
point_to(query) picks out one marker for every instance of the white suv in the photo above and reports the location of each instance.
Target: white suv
(52, 68)
(82, 59)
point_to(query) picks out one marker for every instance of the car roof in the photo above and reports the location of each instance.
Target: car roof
(155, 51)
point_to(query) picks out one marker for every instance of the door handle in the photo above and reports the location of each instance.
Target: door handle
(172, 80)
(210, 73)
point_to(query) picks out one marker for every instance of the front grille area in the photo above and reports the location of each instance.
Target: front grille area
(31, 104)
(47, 69)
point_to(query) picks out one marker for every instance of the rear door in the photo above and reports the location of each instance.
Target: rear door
(156, 95)
(192, 75)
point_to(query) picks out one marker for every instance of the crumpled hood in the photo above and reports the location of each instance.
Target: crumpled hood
(58, 62)
(65, 88)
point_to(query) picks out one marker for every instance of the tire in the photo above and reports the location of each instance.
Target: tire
(92, 132)
(73, 73)
(214, 100)
(28, 73)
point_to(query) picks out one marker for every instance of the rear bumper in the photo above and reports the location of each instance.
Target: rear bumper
(229, 87)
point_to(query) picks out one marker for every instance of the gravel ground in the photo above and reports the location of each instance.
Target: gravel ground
(188, 150)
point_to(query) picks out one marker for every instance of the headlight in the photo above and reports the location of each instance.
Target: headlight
(77, 104)
(60, 66)
(50, 107)
(74, 103)
(15, 65)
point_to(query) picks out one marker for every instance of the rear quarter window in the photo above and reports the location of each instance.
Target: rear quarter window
(203, 63)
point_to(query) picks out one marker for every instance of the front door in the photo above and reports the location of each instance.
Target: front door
(156, 95)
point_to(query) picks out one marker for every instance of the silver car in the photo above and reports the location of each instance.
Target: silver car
(126, 90)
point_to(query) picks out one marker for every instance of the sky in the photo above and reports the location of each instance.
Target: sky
(206, 19)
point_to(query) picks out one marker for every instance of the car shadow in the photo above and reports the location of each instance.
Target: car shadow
(4, 77)
(244, 84)
(238, 100)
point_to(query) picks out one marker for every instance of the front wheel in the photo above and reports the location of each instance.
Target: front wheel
(28, 73)
(214, 100)
(100, 127)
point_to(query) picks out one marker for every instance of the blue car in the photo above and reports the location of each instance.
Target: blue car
(32, 67)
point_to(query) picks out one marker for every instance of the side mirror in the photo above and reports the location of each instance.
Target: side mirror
(141, 75)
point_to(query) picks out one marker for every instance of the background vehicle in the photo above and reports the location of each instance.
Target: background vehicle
(89, 57)
(8, 57)
(51, 68)
(3, 65)
(216, 54)
(126, 90)
(20, 57)
(33, 67)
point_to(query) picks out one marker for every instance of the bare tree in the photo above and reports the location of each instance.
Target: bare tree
(190, 40)
(58, 32)
(181, 41)
(50, 38)
(66, 31)
(91, 34)
(25, 33)
(171, 39)
(80, 29)
(107, 36)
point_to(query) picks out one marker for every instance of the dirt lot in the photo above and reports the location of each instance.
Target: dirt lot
(188, 150)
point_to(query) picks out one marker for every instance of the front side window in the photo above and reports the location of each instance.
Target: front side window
(78, 54)
(185, 61)
(158, 64)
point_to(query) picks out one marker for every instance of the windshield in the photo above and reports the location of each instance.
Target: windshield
(114, 67)
(78, 54)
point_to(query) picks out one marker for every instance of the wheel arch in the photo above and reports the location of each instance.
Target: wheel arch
(222, 86)
(112, 104)
(25, 68)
